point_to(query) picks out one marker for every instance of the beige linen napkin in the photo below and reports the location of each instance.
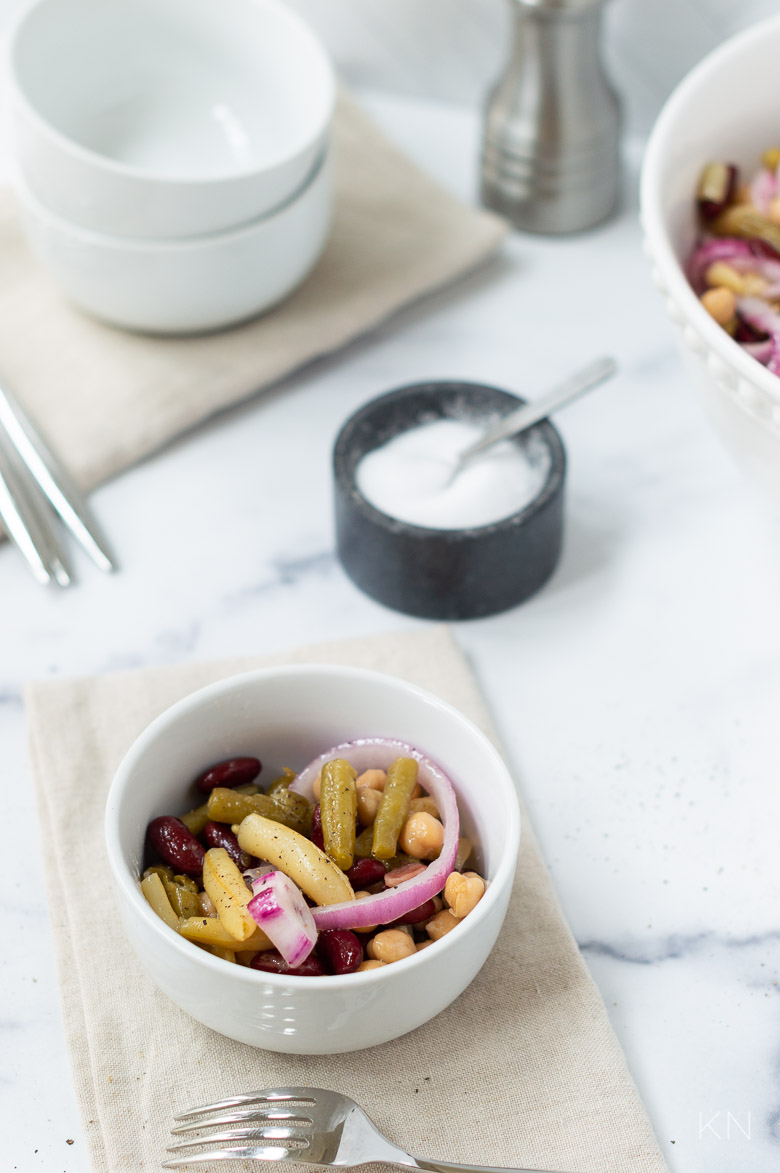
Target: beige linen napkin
(104, 398)
(523, 1069)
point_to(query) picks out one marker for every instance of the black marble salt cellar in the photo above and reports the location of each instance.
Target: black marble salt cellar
(438, 573)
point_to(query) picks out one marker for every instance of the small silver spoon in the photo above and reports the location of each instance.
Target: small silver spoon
(531, 413)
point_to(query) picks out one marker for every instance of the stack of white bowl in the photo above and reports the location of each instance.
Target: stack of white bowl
(172, 155)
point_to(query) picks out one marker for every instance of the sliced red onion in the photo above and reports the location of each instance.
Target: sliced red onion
(281, 911)
(726, 248)
(762, 317)
(760, 351)
(382, 907)
(763, 189)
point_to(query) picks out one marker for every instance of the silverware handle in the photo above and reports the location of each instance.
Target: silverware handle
(449, 1167)
(531, 413)
(28, 530)
(54, 482)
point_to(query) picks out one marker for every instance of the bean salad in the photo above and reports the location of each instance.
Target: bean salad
(355, 863)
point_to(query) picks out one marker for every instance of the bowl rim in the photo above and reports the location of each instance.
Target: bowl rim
(127, 888)
(659, 245)
(311, 186)
(109, 166)
(551, 486)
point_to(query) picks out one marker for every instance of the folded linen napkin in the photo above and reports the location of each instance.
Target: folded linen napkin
(523, 1069)
(105, 398)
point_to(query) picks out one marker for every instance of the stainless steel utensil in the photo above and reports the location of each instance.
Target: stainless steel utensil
(53, 481)
(550, 155)
(303, 1124)
(529, 414)
(27, 529)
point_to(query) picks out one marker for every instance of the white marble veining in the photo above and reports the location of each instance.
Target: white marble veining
(637, 695)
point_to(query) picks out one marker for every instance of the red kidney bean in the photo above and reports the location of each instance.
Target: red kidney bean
(341, 949)
(233, 772)
(316, 828)
(220, 835)
(270, 961)
(415, 915)
(175, 845)
(365, 872)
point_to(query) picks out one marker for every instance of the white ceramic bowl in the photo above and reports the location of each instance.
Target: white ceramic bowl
(725, 109)
(149, 119)
(287, 716)
(183, 286)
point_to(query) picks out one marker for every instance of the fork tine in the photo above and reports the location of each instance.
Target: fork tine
(244, 1134)
(271, 1096)
(263, 1116)
(234, 1153)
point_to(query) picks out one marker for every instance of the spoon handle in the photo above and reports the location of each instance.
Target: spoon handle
(531, 413)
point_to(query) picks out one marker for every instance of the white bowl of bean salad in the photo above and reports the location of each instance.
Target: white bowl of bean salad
(312, 859)
(723, 117)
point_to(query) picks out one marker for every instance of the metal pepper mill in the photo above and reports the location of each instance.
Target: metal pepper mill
(550, 153)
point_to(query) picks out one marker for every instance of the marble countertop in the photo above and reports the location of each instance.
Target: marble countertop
(637, 695)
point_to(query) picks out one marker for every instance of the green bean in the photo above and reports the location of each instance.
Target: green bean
(195, 820)
(394, 807)
(293, 810)
(184, 900)
(282, 782)
(338, 810)
(226, 806)
(163, 871)
(364, 842)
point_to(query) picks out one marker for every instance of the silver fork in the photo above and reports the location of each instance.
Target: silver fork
(302, 1124)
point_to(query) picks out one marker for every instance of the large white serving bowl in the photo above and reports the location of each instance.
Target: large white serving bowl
(183, 286)
(166, 118)
(727, 108)
(286, 717)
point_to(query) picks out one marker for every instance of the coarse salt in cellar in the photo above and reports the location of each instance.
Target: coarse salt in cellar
(413, 476)
(426, 542)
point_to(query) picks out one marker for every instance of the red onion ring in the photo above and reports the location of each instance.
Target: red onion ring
(382, 907)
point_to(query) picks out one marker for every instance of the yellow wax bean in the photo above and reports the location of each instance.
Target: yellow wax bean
(154, 891)
(225, 886)
(300, 859)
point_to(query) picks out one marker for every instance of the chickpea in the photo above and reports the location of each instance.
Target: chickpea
(720, 304)
(368, 801)
(774, 210)
(463, 892)
(390, 945)
(444, 922)
(426, 804)
(375, 779)
(424, 945)
(374, 964)
(421, 836)
(720, 275)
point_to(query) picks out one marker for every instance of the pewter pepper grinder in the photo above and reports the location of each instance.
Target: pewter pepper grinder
(550, 155)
